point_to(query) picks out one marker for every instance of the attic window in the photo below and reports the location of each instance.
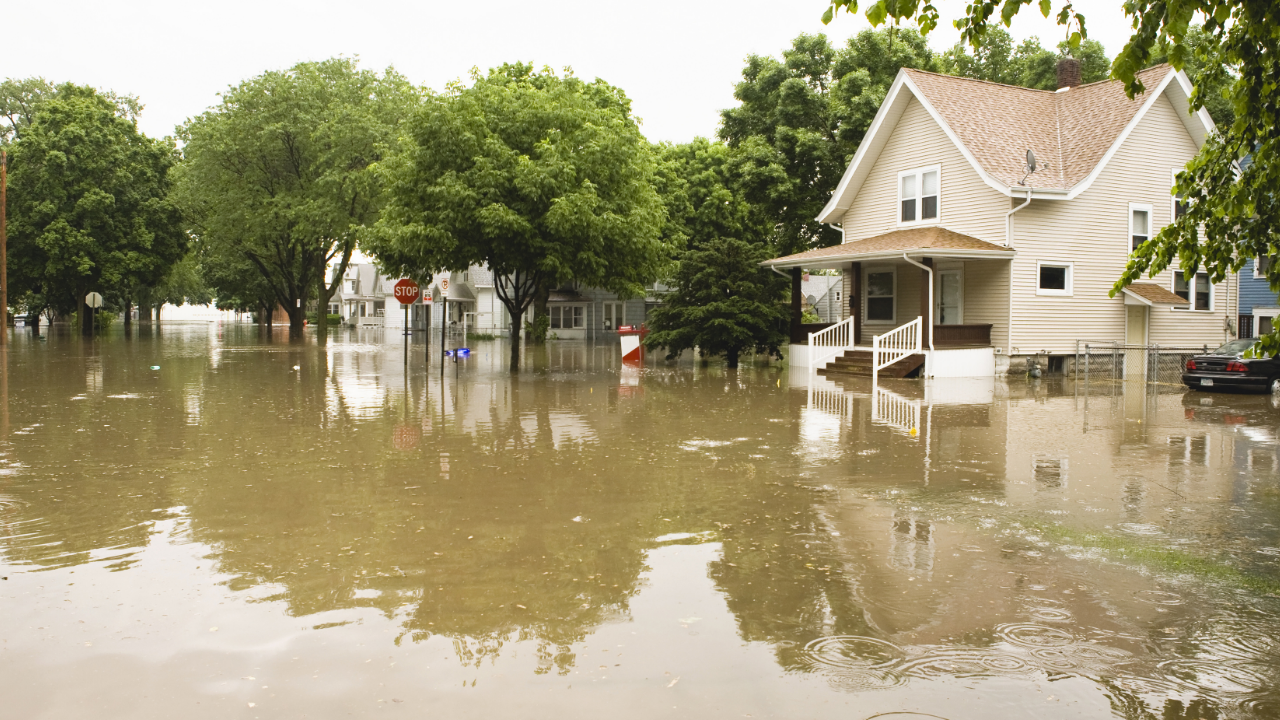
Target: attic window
(918, 195)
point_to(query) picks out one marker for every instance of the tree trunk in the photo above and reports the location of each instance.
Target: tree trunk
(515, 339)
(128, 315)
(322, 307)
(731, 358)
(270, 314)
(85, 313)
(33, 320)
(540, 311)
(297, 321)
(158, 307)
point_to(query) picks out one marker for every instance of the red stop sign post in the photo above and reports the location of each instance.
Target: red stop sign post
(407, 292)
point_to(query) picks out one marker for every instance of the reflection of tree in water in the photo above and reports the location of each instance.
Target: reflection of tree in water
(781, 573)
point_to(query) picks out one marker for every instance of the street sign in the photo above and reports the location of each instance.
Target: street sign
(93, 300)
(407, 291)
(444, 284)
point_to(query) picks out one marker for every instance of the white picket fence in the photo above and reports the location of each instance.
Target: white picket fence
(893, 346)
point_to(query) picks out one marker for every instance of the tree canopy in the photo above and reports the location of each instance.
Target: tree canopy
(1029, 64)
(1228, 46)
(89, 202)
(800, 120)
(279, 175)
(724, 303)
(544, 178)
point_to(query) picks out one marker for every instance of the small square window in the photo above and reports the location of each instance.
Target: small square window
(1054, 279)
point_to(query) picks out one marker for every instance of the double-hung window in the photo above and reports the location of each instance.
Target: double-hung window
(918, 195)
(1139, 224)
(1195, 290)
(1179, 204)
(880, 295)
(565, 317)
(1261, 265)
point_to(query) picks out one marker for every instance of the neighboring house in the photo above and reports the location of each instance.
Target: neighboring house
(1258, 303)
(938, 223)
(822, 295)
(366, 299)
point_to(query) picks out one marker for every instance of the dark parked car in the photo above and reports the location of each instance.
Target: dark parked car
(1227, 369)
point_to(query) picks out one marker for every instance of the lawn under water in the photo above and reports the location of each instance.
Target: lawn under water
(261, 528)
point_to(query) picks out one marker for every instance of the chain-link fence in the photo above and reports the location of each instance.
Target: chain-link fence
(1148, 363)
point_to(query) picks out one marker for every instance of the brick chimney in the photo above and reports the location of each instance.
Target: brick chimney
(1068, 73)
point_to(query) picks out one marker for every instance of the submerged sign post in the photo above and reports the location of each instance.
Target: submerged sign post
(407, 292)
(93, 300)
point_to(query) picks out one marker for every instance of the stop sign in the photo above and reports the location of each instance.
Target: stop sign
(407, 291)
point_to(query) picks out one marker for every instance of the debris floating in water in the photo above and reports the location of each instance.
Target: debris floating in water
(155, 367)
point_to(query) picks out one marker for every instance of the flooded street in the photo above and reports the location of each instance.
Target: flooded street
(209, 524)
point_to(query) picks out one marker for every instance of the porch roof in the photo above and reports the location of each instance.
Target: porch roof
(935, 242)
(1151, 294)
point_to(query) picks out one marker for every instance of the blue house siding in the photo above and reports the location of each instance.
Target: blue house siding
(1254, 292)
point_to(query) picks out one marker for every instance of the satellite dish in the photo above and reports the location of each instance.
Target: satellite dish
(1031, 162)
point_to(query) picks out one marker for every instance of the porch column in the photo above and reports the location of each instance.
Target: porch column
(926, 307)
(797, 334)
(855, 300)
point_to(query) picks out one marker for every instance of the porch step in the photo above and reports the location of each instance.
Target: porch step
(858, 362)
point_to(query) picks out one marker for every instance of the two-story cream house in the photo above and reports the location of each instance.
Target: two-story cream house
(943, 221)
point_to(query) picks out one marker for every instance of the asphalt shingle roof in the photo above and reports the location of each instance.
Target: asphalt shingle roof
(1070, 131)
(908, 240)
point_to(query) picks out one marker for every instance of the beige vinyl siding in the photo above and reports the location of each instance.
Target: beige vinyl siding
(966, 204)
(986, 297)
(1092, 232)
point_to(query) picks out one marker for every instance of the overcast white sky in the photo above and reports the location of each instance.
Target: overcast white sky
(678, 60)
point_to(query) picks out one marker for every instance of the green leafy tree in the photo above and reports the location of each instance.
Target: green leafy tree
(544, 178)
(90, 205)
(21, 98)
(280, 173)
(724, 303)
(1029, 65)
(800, 120)
(1233, 212)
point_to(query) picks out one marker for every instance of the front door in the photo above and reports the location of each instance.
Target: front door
(950, 298)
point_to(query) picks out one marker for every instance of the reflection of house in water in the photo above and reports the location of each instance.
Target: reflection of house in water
(975, 522)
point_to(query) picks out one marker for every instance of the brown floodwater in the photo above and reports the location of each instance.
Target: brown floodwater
(207, 523)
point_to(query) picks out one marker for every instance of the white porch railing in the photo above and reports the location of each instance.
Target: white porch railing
(893, 346)
(830, 342)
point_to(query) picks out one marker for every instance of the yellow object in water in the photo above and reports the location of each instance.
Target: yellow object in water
(914, 432)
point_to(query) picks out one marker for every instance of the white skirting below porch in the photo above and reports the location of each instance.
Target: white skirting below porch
(939, 363)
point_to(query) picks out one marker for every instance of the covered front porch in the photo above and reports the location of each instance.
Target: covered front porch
(925, 298)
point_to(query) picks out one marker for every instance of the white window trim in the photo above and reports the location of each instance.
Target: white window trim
(1213, 292)
(866, 297)
(1173, 197)
(1071, 278)
(919, 204)
(1257, 267)
(619, 313)
(1151, 223)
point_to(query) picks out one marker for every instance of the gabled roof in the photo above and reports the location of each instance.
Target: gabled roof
(920, 241)
(1074, 132)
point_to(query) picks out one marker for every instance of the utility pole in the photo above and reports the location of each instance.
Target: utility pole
(4, 248)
